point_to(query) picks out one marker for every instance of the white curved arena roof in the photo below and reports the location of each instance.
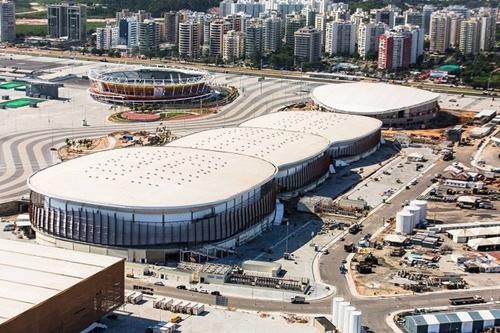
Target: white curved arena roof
(335, 127)
(153, 178)
(282, 148)
(370, 98)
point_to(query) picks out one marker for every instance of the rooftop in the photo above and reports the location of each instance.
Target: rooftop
(282, 148)
(370, 98)
(335, 127)
(31, 274)
(153, 178)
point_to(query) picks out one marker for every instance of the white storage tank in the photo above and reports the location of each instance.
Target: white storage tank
(423, 208)
(341, 318)
(347, 315)
(355, 322)
(335, 309)
(404, 222)
(416, 211)
(416, 214)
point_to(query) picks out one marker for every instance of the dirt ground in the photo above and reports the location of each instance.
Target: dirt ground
(110, 141)
(450, 213)
(384, 279)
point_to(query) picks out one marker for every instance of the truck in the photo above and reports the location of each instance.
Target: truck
(354, 229)
(135, 297)
(349, 247)
(467, 300)
(298, 300)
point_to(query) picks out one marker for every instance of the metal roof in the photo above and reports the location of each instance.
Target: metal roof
(153, 178)
(337, 128)
(281, 148)
(370, 98)
(31, 274)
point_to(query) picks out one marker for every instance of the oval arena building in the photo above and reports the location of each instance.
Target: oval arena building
(395, 105)
(143, 203)
(149, 85)
(301, 158)
(350, 137)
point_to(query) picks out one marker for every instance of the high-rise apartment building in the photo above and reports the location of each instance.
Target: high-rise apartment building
(340, 38)
(189, 39)
(439, 31)
(149, 37)
(394, 50)
(254, 43)
(272, 33)
(106, 37)
(7, 21)
(487, 34)
(293, 22)
(307, 44)
(469, 36)
(414, 17)
(171, 22)
(427, 11)
(368, 35)
(218, 28)
(384, 15)
(234, 46)
(417, 36)
(67, 21)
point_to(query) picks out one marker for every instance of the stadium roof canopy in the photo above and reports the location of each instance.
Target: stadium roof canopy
(282, 148)
(370, 98)
(336, 127)
(153, 178)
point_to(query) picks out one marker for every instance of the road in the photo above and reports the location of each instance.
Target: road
(280, 74)
(375, 309)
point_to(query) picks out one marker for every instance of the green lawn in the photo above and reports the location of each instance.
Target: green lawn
(41, 29)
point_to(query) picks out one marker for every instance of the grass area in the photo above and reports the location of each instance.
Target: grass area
(11, 85)
(41, 29)
(20, 102)
(34, 15)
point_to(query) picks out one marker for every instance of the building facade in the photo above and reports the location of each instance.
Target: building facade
(368, 38)
(340, 38)
(394, 50)
(254, 38)
(67, 21)
(7, 21)
(307, 44)
(171, 22)
(189, 39)
(234, 46)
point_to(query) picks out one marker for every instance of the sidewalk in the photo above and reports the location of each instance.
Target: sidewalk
(175, 278)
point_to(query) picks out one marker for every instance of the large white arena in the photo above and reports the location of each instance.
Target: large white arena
(134, 201)
(394, 105)
(350, 137)
(300, 158)
(215, 188)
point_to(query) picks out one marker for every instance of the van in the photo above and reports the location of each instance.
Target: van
(9, 227)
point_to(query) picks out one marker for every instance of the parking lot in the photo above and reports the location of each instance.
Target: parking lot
(133, 318)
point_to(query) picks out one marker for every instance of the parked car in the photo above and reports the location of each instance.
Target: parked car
(181, 287)
(215, 293)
